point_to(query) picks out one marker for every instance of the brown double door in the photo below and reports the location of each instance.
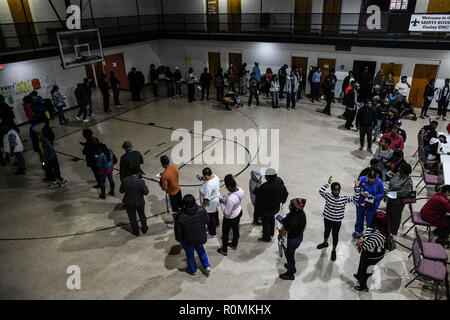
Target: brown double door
(214, 63)
(421, 76)
(302, 18)
(325, 65)
(331, 17)
(116, 63)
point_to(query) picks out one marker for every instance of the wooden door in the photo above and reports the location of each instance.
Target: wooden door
(26, 34)
(212, 12)
(214, 63)
(331, 17)
(302, 18)
(234, 15)
(421, 77)
(438, 6)
(236, 60)
(396, 69)
(326, 65)
(300, 62)
(116, 63)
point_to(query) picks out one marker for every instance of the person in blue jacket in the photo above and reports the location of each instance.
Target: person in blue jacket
(372, 191)
(105, 163)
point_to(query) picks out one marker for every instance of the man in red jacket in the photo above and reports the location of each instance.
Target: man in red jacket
(397, 142)
(435, 213)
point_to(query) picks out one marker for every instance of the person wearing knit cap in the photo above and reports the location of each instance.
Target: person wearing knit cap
(129, 160)
(269, 196)
(293, 226)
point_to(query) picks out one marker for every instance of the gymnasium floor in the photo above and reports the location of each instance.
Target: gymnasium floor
(44, 231)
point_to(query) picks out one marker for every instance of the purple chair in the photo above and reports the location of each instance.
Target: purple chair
(420, 142)
(423, 159)
(427, 270)
(429, 179)
(417, 220)
(430, 250)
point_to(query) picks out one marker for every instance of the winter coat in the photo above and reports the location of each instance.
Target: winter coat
(58, 99)
(376, 189)
(190, 226)
(90, 151)
(14, 138)
(288, 85)
(104, 165)
(255, 178)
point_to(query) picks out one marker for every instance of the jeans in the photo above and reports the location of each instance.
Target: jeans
(275, 99)
(327, 109)
(227, 225)
(350, 117)
(365, 131)
(135, 93)
(299, 92)
(83, 110)
(442, 108)
(292, 245)
(61, 114)
(361, 212)
(375, 132)
(333, 227)
(176, 201)
(170, 88)
(89, 103)
(213, 222)
(367, 259)
(52, 170)
(20, 161)
(110, 179)
(178, 88)
(131, 212)
(96, 174)
(191, 92)
(191, 259)
(155, 89)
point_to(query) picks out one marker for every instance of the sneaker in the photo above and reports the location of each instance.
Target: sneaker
(119, 106)
(222, 252)
(102, 196)
(191, 273)
(286, 276)
(144, 230)
(208, 269)
(170, 225)
(426, 116)
(211, 236)
(438, 117)
(422, 117)
(443, 118)
(369, 150)
(361, 148)
(54, 185)
(232, 247)
(333, 255)
(78, 118)
(86, 120)
(322, 245)
(96, 186)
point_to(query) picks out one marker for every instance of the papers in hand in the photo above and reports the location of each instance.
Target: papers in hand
(392, 194)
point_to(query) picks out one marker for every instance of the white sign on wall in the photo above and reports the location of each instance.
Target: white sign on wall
(430, 22)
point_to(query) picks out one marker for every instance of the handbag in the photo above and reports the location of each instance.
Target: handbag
(410, 198)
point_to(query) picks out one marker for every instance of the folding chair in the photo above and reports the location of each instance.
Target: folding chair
(423, 159)
(417, 220)
(429, 179)
(420, 142)
(430, 250)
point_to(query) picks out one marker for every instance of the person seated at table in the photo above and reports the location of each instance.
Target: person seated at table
(435, 213)
(375, 164)
(395, 163)
(397, 142)
(436, 148)
(384, 155)
(428, 132)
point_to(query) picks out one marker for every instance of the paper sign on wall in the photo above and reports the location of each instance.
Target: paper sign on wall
(430, 22)
(36, 84)
(114, 64)
(27, 86)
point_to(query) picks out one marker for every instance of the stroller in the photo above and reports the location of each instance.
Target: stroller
(231, 99)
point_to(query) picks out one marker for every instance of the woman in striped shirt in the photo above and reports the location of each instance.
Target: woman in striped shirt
(334, 212)
(372, 249)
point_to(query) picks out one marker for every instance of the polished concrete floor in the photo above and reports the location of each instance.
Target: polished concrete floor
(44, 231)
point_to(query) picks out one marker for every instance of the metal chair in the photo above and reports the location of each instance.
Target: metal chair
(417, 220)
(423, 159)
(429, 179)
(430, 250)
(420, 142)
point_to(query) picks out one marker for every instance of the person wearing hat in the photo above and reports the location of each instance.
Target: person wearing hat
(190, 80)
(397, 124)
(90, 148)
(294, 224)
(129, 160)
(269, 196)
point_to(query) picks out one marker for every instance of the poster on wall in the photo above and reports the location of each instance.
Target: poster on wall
(8, 93)
(36, 84)
(187, 61)
(430, 22)
(212, 6)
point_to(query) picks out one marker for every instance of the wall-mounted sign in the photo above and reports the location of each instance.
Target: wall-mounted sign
(212, 6)
(36, 84)
(430, 22)
(114, 64)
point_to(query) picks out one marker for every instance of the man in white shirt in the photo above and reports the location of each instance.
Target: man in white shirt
(209, 198)
(403, 87)
(436, 147)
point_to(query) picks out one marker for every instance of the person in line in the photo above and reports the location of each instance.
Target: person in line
(400, 131)
(135, 189)
(219, 82)
(81, 100)
(435, 212)
(209, 198)
(331, 76)
(232, 213)
(371, 245)
(291, 87)
(389, 83)
(255, 178)
(130, 160)
(105, 163)
(282, 75)
(294, 224)
(190, 80)
(275, 90)
(347, 81)
(443, 98)
(315, 85)
(231, 78)
(428, 132)
(365, 81)
(267, 81)
(205, 81)
(397, 142)
(329, 96)
(378, 80)
(12, 145)
(381, 111)
(389, 120)
(301, 82)
(178, 81)
(87, 91)
(403, 87)
(58, 101)
(333, 213)
(269, 196)
(352, 102)
(395, 163)
(168, 75)
(115, 83)
(366, 121)
(402, 184)
(49, 160)
(428, 96)
(372, 191)
(190, 232)
(169, 183)
(374, 164)
(253, 86)
(103, 85)
(384, 155)
(243, 79)
(154, 79)
(90, 149)
(257, 72)
(133, 82)
(27, 103)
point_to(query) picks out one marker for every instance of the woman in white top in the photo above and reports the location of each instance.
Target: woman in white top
(275, 89)
(232, 212)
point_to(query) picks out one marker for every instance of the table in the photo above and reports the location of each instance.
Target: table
(445, 160)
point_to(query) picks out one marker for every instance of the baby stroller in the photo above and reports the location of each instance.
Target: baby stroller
(231, 99)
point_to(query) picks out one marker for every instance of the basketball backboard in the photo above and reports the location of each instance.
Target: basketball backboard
(80, 47)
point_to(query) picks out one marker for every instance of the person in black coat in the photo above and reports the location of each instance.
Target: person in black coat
(103, 85)
(366, 121)
(154, 79)
(133, 82)
(81, 101)
(329, 95)
(365, 80)
(115, 88)
(135, 189)
(428, 96)
(130, 160)
(205, 82)
(90, 148)
(168, 74)
(7, 115)
(269, 196)
(190, 231)
(352, 101)
(220, 84)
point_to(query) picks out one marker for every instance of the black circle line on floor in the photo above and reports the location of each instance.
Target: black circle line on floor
(149, 179)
